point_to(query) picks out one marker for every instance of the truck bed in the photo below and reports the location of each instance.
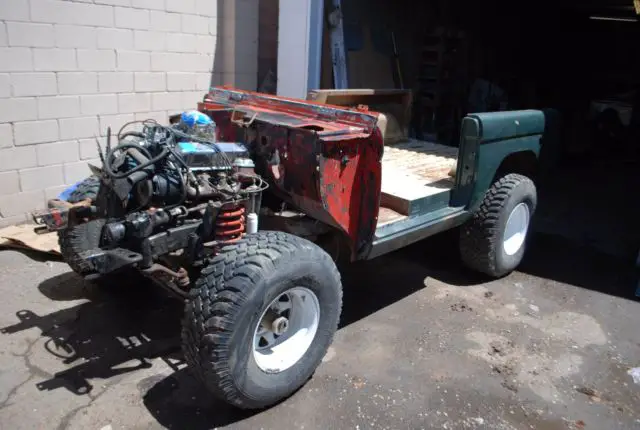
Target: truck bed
(414, 171)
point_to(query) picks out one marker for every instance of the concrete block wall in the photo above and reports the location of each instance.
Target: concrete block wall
(71, 68)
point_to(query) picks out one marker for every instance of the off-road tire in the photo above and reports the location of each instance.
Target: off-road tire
(226, 304)
(82, 237)
(482, 236)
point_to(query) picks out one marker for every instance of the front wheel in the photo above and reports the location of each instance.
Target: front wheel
(493, 241)
(261, 318)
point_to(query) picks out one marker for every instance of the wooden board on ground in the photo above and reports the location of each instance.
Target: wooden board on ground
(23, 237)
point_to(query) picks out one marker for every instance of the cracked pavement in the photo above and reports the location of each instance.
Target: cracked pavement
(423, 343)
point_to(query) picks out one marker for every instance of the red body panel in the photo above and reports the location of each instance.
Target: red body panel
(323, 159)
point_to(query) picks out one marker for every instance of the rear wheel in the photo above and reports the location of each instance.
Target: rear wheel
(261, 317)
(87, 236)
(493, 241)
(81, 237)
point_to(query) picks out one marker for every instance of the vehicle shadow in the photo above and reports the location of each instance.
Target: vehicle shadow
(122, 329)
(128, 327)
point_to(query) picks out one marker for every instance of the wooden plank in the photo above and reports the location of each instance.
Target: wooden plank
(414, 170)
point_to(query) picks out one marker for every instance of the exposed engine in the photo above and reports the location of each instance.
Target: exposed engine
(172, 189)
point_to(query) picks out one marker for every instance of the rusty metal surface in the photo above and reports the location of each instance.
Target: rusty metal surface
(326, 160)
(60, 215)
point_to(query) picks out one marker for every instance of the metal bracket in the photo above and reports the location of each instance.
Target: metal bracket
(107, 261)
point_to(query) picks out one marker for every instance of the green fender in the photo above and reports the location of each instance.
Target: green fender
(487, 139)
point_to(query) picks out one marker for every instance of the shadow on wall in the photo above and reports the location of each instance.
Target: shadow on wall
(245, 35)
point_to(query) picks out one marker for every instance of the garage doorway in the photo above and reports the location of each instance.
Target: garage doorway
(578, 61)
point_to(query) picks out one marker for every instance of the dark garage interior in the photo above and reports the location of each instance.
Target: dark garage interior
(576, 60)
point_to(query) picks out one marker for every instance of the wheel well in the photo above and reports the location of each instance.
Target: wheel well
(524, 163)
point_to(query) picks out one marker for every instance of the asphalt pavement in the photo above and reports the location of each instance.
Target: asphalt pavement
(423, 343)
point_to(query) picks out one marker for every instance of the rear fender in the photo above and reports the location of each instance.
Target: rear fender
(503, 136)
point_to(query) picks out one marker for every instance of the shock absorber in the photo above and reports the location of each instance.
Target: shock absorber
(230, 225)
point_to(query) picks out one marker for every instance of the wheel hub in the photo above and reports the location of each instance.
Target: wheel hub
(280, 326)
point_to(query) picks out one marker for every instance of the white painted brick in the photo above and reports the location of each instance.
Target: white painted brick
(54, 60)
(17, 158)
(114, 2)
(175, 62)
(132, 18)
(18, 109)
(201, 63)
(180, 42)
(75, 36)
(74, 172)
(134, 61)
(99, 104)
(58, 107)
(160, 116)
(30, 132)
(13, 220)
(33, 84)
(3, 34)
(77, 83)
(53, 192)
(14, 10)
(89, 148)
(92, 15)
(16, 60)
(163, 21)
(166, 62)
(205, 44)
(115, 122)
(57, 153)
(115, 82)
(5, 85)
(203, 82)
(67, 12)
(207, 7)
(150, 81)
(77, 128)
(195, 24)
(52, 11)
(182, 6)
(115, 38)
(149, 40)
(148, 4)
(190, 99)
(41, 177)
(15, 205)
(135, 102)
(166, 101)
(9, 183)
(31, 35)
(6, 135)
(96, 59)
(181, 81)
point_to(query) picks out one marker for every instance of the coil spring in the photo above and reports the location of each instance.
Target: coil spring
(230, 225)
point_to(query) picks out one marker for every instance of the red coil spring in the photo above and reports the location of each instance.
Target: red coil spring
(230, 225)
